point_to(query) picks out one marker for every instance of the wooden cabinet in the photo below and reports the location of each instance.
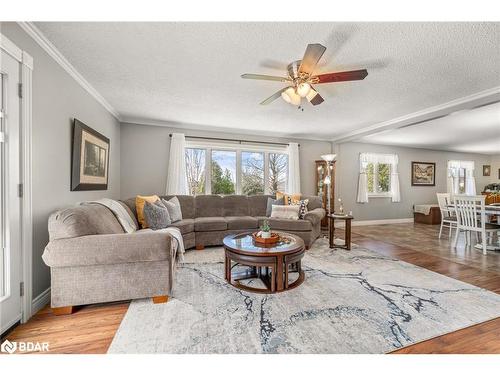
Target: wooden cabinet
(491, 197)
(321, 187)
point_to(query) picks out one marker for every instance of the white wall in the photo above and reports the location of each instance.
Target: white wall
(495, 169)
(57, 99)
(145, 153)
(383, 208)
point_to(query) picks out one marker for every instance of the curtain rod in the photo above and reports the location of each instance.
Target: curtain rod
(240, 141)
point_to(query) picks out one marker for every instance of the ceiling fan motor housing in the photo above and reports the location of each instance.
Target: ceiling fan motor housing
(294, 74)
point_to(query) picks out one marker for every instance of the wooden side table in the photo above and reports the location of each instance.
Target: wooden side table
(347, 231)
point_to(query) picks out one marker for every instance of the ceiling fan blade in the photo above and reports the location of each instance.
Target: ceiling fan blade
(273, 97)
(352, 75)
(265, 77)
(314, 97)
(311, 57)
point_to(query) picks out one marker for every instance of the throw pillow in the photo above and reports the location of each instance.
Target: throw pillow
(287, 198)
(156, 215)
(285, 212)
(174, 208)
(270, 202)
(302, 207)
(140, 200)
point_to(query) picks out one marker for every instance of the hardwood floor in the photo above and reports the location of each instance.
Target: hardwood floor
(91, 328)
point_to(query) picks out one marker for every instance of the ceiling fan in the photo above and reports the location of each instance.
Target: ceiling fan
(301, 78)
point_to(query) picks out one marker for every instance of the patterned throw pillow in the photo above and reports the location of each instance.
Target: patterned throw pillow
(270, 202)
(302, 207)
(174, 208)
(156, 215)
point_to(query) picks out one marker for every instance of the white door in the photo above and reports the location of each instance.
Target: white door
(10, 236)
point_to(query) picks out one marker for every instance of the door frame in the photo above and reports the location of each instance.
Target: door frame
(26, 91)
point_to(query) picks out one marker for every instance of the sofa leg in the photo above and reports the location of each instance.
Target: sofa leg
(65, 310)
(200, 247)
(307, 247)
(160, 299)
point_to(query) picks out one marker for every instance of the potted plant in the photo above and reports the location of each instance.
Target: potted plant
(265, 229)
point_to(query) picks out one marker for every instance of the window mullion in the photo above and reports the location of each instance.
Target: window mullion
(238, 172)
(266, 173)
(208, 171)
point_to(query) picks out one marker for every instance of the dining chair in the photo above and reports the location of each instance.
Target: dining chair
(468, 208)
(448, 220)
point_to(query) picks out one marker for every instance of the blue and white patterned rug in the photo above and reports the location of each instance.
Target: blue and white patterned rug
(350, 302)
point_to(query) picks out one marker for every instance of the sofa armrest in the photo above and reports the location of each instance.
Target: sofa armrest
(315, 216)
(109, 249)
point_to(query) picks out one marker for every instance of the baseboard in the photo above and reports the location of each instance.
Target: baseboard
(40, 301)
(358, 223)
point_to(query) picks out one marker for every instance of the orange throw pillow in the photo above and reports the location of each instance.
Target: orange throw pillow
(140, 201)
(288, 198)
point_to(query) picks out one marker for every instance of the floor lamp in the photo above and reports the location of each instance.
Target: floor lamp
(329, 158)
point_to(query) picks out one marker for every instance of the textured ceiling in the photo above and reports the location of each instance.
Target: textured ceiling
(476, 130)
(189, 73)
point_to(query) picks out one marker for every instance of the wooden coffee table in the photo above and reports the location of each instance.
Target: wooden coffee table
(271, 264)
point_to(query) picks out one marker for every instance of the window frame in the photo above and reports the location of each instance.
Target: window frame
(210, 146)
(378, 194)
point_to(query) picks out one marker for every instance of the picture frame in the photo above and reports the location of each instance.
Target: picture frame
(90, 158)
(486, 170)
(423, 173)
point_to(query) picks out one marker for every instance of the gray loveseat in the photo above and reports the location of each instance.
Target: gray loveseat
(92, 260)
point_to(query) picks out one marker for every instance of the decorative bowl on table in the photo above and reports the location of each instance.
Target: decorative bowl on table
(257, 237)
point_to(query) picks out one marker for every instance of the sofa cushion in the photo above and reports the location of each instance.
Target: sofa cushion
(242, 222)
(187, 204)
(314, 202)
(184, 225)
(285, 212)
(83, 220)
(257, 204)
(270, 202)
(207, 224)
(130, 203)
(235, 205)
(131, 213)
(209, 206)
(140, 200)
(174, 209)
(290, 224)
(156, 215)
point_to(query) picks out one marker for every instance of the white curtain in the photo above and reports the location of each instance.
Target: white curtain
(293, 169)
(176, 177)
(395, 193)
(470, 182)
(367, 158)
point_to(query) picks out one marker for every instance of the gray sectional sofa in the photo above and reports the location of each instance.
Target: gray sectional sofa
(207, 219)
(92, 260)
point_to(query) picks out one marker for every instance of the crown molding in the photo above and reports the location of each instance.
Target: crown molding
(53, 52)
(467, 102)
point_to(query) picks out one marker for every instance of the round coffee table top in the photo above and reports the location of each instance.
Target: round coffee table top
(243, 243)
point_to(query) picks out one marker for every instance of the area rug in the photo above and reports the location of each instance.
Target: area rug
(350, 302)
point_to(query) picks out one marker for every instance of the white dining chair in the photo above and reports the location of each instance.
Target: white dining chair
(471, 217)
(448, 220)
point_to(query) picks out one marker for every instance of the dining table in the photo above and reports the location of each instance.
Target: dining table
(489, 209)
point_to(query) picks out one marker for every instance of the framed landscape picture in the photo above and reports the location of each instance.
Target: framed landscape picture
(423, 173)
(486, 170)
(90, 159)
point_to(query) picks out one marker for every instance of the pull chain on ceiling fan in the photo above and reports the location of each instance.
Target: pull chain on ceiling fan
(300, 78)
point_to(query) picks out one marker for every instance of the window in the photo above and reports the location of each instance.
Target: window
(378, 177)
(461, 180)
(223, 172)
(195, 170)
(252, 173)
(278, 172)
(461, 177)
(235, 169)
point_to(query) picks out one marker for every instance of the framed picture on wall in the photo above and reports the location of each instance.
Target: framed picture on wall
(90, 158)
(486, 170)
(423, 173)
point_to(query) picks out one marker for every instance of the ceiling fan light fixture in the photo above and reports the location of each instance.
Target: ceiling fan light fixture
(290, 96)
(303, 89)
